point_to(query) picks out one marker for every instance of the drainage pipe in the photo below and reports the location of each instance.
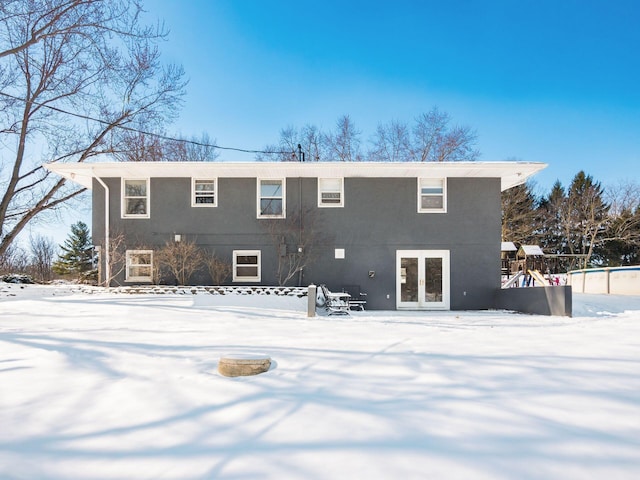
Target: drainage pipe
(107, 265)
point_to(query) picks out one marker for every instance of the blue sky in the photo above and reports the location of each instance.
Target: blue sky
(550, 81)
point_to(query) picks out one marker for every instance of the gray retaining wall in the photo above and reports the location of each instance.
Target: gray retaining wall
(556, 300)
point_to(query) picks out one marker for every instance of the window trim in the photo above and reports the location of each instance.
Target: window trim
(283, 182)
(213, 180)
(444, 196)
(128, 264)
(124, 197)
(321, 191)
(240, 253)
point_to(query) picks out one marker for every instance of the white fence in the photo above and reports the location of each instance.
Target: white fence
(612, 280)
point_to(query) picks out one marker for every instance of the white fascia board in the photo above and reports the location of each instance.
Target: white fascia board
(510, 173)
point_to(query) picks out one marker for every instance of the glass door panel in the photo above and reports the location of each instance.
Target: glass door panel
(433, 279)
(408, 279)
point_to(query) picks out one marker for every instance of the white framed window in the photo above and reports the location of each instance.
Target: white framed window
(204, 192)
(135, 198)
(271, 197)
(139, 266)
(246, 266)
(330, 192)
(432, 195)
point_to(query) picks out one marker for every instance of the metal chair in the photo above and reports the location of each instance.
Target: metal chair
(335, 303)
(357, 298)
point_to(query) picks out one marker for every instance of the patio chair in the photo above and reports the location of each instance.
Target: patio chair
(357, 298)
(335, 303)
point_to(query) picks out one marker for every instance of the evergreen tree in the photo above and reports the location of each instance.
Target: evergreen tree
(622, 243)
(587, 215)
(552, 210)
(519, 214)
(77, 257)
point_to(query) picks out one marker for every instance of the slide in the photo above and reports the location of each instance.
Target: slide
(538, 277)
(512, 281)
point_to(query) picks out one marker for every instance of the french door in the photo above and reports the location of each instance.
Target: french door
(422, 279)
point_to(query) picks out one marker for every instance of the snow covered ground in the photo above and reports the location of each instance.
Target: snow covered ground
(104, 386)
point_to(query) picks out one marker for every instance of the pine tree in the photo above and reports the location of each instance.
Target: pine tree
(519, 214)
(76, 258)
(587, 214)
(551, 212)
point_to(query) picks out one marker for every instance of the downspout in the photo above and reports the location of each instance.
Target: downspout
(299, 247)
(107, 266)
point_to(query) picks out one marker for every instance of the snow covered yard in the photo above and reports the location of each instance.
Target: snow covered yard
(110, 386)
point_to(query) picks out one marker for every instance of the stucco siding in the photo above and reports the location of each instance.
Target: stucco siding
(379, 217)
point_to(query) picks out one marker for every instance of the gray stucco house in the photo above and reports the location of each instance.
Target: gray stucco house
(411, 235)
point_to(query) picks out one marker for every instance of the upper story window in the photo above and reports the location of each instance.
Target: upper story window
(135, 198)
(432, 195)
(246, 265)
(271, 198)
(139, 266)
(203, 192)
(330, 192)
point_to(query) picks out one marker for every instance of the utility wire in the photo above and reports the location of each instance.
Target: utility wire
(143, 132)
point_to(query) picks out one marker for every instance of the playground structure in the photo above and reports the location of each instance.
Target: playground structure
(522, 266)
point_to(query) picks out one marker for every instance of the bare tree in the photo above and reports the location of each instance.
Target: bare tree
(73, 74)
(391, 143)
(14, 260)
(43, 250)
(621, 240)
(139, 147)
(431, 139)
(343, 144)
(219, 269)
(194, 149)
(46, 20)
(311, 141)
(115, 257)
(309, 138)
(623, 196)
(294, 239)
(182, 259)
(435, 141)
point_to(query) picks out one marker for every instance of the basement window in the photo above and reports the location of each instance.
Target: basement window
(139, 266)
(246, 265)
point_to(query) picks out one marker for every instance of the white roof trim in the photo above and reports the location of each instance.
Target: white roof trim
(510, 173)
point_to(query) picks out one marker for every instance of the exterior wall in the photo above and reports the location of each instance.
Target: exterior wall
(555, 300)
(379, 217)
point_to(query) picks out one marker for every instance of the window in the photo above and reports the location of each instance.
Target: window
(246, 265)
(271, 198)
(135, 198)
(203, 192)
(139, 266)
(432, 195)
(330, 192)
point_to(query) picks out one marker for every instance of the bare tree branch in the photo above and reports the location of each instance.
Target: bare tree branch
(75, 73)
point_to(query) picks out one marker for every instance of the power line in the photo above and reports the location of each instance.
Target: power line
(143, 132)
